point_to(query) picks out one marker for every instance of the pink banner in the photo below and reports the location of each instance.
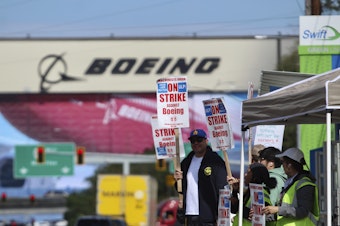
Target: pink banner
(100, 122)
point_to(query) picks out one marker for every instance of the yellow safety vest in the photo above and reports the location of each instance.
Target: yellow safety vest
(246, 222)
(289, 199)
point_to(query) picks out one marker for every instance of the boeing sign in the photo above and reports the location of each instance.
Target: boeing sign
(134, 65)
(159, 65)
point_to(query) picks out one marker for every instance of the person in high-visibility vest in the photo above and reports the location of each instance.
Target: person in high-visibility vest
(257, 174)
(299, 198)
(275, 169)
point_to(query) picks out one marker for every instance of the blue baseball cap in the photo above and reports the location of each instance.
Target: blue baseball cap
(198, 133)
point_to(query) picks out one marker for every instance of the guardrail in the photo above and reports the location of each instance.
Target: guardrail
(19, 203)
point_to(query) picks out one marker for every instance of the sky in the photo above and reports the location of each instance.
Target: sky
(148, 18)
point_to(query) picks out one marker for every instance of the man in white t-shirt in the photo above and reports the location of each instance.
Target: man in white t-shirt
(202, 173)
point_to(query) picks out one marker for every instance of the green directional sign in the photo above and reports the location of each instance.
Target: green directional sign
(59, 160)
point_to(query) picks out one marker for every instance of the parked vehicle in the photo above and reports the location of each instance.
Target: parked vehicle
(166, 212)
(56, 194)
(99, 221)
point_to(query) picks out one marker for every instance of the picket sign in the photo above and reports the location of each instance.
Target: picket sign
(257, 203)
(221, 135)
(173, 112)
(269, 135)
(224, 207)
(165, 140)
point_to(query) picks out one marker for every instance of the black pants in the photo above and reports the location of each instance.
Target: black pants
(195, 221)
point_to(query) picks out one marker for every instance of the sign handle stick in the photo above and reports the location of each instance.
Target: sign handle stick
(177, 164)
(249, 146)
(250, 95)
(226, 161)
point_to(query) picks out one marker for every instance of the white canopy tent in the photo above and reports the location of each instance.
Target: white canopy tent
(314, 100)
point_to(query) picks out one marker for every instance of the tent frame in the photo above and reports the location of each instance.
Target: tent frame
(313, 100)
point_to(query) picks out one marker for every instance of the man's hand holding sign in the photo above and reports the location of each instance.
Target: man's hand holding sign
(221, 138)
(173, 112)
(202, 173)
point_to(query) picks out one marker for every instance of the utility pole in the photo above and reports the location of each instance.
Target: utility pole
(312, 7)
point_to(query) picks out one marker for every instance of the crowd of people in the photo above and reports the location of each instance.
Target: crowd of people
(289, 189)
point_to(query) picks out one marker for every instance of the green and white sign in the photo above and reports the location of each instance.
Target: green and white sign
(319, 30)
(59, 160)
(319, 51)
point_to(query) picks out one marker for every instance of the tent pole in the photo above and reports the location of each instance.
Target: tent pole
(240, 209)
(329, 169)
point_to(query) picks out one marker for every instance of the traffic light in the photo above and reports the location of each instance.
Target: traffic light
(3, 197)
(80, 155)
(32, 199)
(161, 165)
(40, 154)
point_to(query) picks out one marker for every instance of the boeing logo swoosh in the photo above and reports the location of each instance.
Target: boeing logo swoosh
(53, 69)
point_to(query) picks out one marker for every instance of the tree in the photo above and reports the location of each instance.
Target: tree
(329, 6)
(290, 62)
(84, 202)
(289, 137)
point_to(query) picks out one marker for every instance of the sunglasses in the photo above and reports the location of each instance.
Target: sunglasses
(198, 139)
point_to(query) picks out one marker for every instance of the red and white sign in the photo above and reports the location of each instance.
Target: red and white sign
(172, 102)
(221, 135)
(224, 207)
(270, 135)
(257, 203)
(165, 140)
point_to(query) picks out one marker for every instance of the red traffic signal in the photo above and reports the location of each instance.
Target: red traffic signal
(40, 154)
(3, 197)
(32, 199)
(80, 155)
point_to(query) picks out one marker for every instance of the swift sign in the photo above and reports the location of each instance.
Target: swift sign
(322, 31)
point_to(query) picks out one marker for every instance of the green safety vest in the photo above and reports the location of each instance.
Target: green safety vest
(246, 222)
(289, 199)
